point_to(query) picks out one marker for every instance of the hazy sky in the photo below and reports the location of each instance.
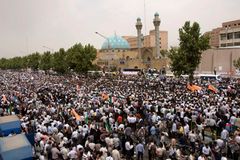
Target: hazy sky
(27, 25)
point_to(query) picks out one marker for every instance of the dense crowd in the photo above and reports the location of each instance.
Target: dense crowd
(124, 117)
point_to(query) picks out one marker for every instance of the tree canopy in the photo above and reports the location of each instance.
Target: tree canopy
(78, 58)
(186, 58)
(236, 63)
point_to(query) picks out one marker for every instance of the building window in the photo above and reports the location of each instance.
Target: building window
(237, 35)
(223, 45)
(237, 44)
(223, 36)
(229, 44)
(230, 36)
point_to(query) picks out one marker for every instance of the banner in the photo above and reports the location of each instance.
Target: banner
(193, 87)
(212, 88)
(77, 116)
(105, 97)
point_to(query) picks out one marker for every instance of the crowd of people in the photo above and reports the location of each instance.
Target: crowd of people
(114, 117)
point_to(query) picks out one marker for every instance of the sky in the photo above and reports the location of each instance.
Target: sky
(28, 25)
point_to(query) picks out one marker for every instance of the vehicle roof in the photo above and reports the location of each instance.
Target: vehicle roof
(207, 75)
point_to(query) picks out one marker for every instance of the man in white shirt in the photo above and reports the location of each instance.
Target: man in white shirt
(55, 152)
(206, 150)
(186, 129)
(192, 136)
(174, 129)
(202, 157)
(75, 134)
(237, 139)
(224, 135)
(128, 148)
(131, 119)
(116, 155)
(72, 154)
(64, 152)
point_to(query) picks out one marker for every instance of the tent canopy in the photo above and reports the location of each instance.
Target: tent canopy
(9, 124)
(15, 147)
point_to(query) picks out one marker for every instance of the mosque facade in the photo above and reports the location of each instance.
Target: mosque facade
(139, 51)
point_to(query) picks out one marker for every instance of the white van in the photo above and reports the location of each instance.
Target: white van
(209, 77)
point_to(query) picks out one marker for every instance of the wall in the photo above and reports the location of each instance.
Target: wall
(128, 59)
(221, 59)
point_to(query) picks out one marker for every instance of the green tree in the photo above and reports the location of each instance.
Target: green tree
(80, 57)
(59, 61)
(3, 63)
(236, 63)
(33, 61)
(186, 58)
(24, 62)
(46, 61)
(16, 63)
(164, 53)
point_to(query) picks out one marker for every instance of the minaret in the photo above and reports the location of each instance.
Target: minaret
(139, 36)
(156, 22)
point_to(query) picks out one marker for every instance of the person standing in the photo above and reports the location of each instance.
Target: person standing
(140, 151)
(116, 154)
(55, 152)
(192, 138)
(129, 148)
(151, 150)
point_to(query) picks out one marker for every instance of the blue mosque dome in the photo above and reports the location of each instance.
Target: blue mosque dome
(115, 42)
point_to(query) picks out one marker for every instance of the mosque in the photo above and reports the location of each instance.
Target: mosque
(127, 52)
(143, 52)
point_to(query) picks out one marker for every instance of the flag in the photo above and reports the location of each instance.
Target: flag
(212, 88)
(193, 87)
(77, 116)
(112, 99)
(108, 127)
(86, 117)
(105, 97)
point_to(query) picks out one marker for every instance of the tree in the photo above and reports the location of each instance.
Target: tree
(186, 58)
(164, 53)
(80, 58)
(3, 63)
(236, 63)
(59, 61)
(33, 61)
(46, 61)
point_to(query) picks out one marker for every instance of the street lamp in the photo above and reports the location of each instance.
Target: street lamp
(48, 48)
(109, 49)
(104, 38)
